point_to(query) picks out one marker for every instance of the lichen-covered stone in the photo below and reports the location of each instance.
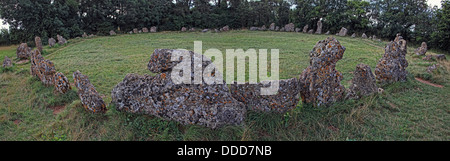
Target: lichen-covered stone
(311, 31)
(289, 27)
(353, 35)
(112, 33)
(277, 28)
(364, 36)
(23, 52)
(432, 68)
(363, 82)
(321, 82)
(272, 27)
(7, 62)
(319, 27)
(263, 28)
(282, 29)
(153, 29)
(287, 97)
(254, 28)
(145, 30)
(38, 42)
(298, 29)
(422, 49)
(61, 40)
(392, 66)
(42, 68)
(183, 29)
(135, 30)
(305, 29)
(90, 99)
(51, 42)
(343, 32)
(84, 35)
(62, 84)
(440, 57)
(226, 28)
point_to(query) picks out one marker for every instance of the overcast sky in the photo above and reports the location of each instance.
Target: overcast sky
(431, 3)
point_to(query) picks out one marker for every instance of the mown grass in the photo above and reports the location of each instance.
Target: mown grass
(405, 111)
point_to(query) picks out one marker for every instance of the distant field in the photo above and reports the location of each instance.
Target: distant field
(405, 111)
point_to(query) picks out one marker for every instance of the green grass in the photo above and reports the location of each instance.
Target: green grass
(405, 111)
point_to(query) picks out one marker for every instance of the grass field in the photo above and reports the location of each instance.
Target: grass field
(405, 111)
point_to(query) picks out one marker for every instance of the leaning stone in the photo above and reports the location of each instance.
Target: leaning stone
(321, 82)
(422, 49)
(343, 32)
(210, 105)
(112, 33)
(153, 29)
(364, 36)
(392, 66)
(38, 42)
(319, 27)
(23, 52)
(305, 29)
(7, 62)
(286, 98)
(272, 27)
(61, 40)
(61, 83)
(363, 82)
(51, 42)
(90, 99)
(42, 68)
(145, 29)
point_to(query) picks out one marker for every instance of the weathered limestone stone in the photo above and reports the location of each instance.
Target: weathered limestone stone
(343, 32)
(272, 27)
(84, 35)
(353, 35)
(90, 99)
(61, 40)
(327, 33)
(153, 29)
(7, 62)
(204, 104)
(145, 29)
(305, 29)
(51, 42)
(250, 94)
(23, 52)
(226, 28)
(38, 42)
(135, 30)
(289, 27)
(298, 29)
(321, 82)
(363, 82)
(319, 27)
(61, 83)
(311, 31)
(392, 66)
(254, 28)
(422, 49)
(364, 36)
(183, 29)
(263, 28)
(42, 68)
(112, 33)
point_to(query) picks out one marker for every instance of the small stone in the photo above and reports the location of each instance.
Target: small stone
(51, 42)
(277, 28)
(422, 50)
(84, 35)
(135, 30)
(90, 99)
(319, 27)
(289, 27)
(305, 29)
(364, 36)
(23, 51)
(298, 29)
(7, 62)
(183, 29)
(432, 68)
(145, 29)
(343, 32)
(262, 28)
(311, 31)
(61, 83)
(226, 28)
(153, 29)
(440, 57)
(272, 27)
(38, 42)
(353, 35)
(327, 33)
(112, 33)
(205, 30)
(61, 40)
(254, 28)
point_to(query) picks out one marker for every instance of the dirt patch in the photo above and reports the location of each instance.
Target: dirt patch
(429, 83)
(57, 109)
(22, 61)
(17, 122)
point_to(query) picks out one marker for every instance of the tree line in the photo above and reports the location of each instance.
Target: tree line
(414, 19)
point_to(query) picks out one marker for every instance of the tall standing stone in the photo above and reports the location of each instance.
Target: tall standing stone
(392, 66)
(343, 32)
(320, 81)
(363, 82)
(422, 50)
(289, 27)
(51, 42)
(23, 52)
(90, 99)
(319, 27)
(38, 42)
(42, 68)
(272, 27)
(135, 31)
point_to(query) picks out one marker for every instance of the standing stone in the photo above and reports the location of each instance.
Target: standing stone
(432, 68)
(210, 105)
(145, 29)
(183, 29)
(226, 28)
(7, 62)
(23, 52)
(254, 28)
(422, 49)
(112, 33)
(363, 82)
(282, 29)
(61, 83)
(353, 35)
(42, 68)
(364, 36)
(38, 42)
(263, 28)
(327, 33)
(370, 37)
(51, 42)
(84, 35)
(343, 32)
(374, 37)
(90, 99)
(311, 31)
(286, 98)
(277, 28)
(392, 66)
(289, 27)
(305, 29)
(153, 29)
(140, 31)
(321, 82)
(298, 29)
(440, 57)
(272, 27)
(61, 40)
(319, 27)
(192, 29)
(135, 30)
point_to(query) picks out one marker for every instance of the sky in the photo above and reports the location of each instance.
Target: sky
(431, 3)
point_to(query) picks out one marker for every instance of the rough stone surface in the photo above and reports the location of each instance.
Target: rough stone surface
(84, 35)
(363, 82)
(208, 105)
(183, 29)
(282, 29)
(135, 31)
(250, 94)
(374, 37)
(226, 28)
(289, 27)
(343, 32)
(254, 28)
(422, 49)
(319, 27)
(353, 35)
(428, 57)
(432, 68)
(440, 57)
(61, 40)
(392, 66)
(205, 30)
(23, 52)
(311, 31)
(112, 33)
(364, 36)
(327, 33)
(51, 42)
(90, 99)
(321, 82)
(62, 84)
(145, 29)
(298, 29)
(153, 29)
(263, 28)
(38, 42)
(305, 29)
(42, 68)
(277, 28)
(7, 62)
(272, 27)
